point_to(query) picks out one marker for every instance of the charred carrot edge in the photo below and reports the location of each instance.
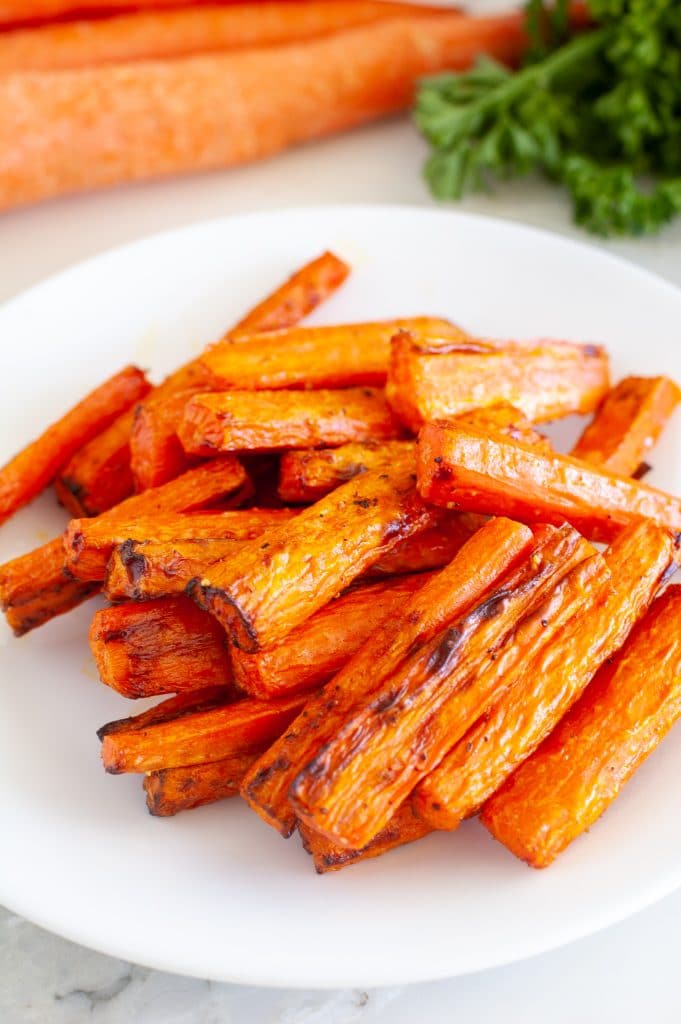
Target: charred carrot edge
(593, 622)
(396, 736)
(35, 589)
(85, 556)
(563, 788)
(158, 35)
(321, 645)
(159, 647)
(431, 549)
(544, 380)
(628, 424)
(278, 580)
(233, 421)
(99, 474)
(308, 475)
(404, 827)
(195, 736)
(467, 469)
(30, 472)
(172, 790)
(447, 595)
(179, 116)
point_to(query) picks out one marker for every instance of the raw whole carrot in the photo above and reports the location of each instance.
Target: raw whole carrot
(404, 827)
(628, 424)
(159, 647)
(210, 729)
(99, 474)
(477, 568)
(544, 380)
(172, 790)
(88, 543)
(201, 113)
(466, 469)
(29, 472)
(146, 35)
(274, 420)
(306, 476)
(394, 737)
(599, 618)
(575, 775)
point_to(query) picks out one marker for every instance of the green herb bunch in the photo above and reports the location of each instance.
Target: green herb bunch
(598, 111)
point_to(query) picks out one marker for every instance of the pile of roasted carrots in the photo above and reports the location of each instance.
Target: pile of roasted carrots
(366, 578)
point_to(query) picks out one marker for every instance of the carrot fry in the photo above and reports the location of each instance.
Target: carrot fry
(628, 424)
(172, 790)
(99, 474)
(467, 469)
(34, 588)
(278, 580)
(586, 623)
(404, 827)
(168, 646)
(88, 543)
(201, 113)
(306, 476)
(273, 420)
(402, 730)
(544, 380)
(505, 420)
(209, 729)
(477, 568)
(431, 549)
(563, 788)
(321, 645)
(29, 472)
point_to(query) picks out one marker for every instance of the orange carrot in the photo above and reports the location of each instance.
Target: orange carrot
(172, 790)
(99, 474)
(201, 113)
(29, 472)
(306, 476)
(404, 827)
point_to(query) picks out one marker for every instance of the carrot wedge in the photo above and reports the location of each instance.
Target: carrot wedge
(628, 424)
(212, 728)
(395, 736)
(404, 827)
(478, 567)
(544, 380)
(171, 790)
(99, 474)
(565, 786)
(278, 580)
(159, 647)
(306, 476)
(88, 543)
(321, 645)
(273, 420)
(466, 469)
(593, 623)
(29, 472)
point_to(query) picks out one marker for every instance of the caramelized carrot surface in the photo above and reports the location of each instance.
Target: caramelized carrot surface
(29, 472)
(432, 548)
(306, 476)
(581, 768)
(99, 474)
(158, 647)
(172, 790)
(544, 380)
(404, 827)
(477, 568)
(505, 420)
(402, 730)
(215, 728)
(468, 469)
(628, 424)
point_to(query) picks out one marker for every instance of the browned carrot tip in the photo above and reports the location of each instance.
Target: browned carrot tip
(404, 827)
(99, 475)
(172, 790)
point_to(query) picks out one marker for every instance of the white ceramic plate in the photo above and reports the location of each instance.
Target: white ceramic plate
(215, 892)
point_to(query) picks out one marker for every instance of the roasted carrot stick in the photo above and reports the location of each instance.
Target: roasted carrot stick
(172, 790)
(628, 424)
(162, 34)
(88, 543)
(200, 113)
(321, 645)
(274, 420)
(586, 622)
(278, 580)
(505, 420)
(306, 476)
(468, 469)
(99, 474)
(478, 567)
(168, 646)
(34, 588)
(29, 472)
(216, 728)
(404, 827)
(432, 548)
(581, 768)
(544, 380)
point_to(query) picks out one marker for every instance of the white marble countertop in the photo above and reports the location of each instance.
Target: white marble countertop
(618, 975)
